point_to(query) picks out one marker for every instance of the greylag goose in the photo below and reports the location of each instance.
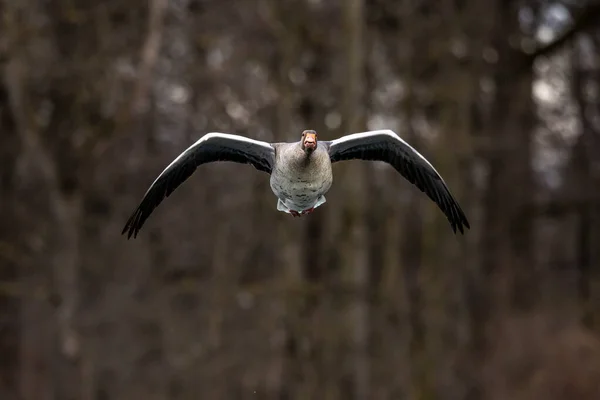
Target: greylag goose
(301, 172)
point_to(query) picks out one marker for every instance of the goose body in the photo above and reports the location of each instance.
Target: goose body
(298, 181)
(301, 172)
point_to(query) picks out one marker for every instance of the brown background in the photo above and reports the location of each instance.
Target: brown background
(372, 296)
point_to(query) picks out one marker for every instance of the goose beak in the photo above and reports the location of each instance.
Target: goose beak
(310, 141)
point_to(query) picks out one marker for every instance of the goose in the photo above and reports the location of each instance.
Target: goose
(301, 172)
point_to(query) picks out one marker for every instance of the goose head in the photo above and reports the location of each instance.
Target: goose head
(309, 141)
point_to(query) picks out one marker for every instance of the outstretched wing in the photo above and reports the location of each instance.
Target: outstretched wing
(385, 145)
(211, 147)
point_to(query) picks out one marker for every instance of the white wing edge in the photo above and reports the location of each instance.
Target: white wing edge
(388, 132)
(210, 135)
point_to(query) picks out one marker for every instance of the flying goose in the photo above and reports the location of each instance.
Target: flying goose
(301, 172)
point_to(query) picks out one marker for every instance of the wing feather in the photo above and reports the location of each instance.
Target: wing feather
(214, 146)
(385, 145)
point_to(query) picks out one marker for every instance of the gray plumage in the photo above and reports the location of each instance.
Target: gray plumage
(301, 172)
(300, 180)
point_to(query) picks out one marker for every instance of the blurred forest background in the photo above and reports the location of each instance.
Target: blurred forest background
(372, 296)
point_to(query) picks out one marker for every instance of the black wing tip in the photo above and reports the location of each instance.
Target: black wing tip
(130, 231)
(133, 225)
(125, 229)
(459, 224)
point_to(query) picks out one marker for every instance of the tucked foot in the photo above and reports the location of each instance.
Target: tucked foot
(308, 211)
(295, 213)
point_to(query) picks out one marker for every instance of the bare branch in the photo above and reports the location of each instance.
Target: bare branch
(150, 51)
(149, 55)
(586, 18)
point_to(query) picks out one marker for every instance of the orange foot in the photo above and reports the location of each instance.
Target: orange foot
(295, 213)
(308, 211)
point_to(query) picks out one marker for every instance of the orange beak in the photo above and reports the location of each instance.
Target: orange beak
(310, 140)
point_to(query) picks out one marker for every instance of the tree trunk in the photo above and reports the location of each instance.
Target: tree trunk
(287, 364)
(12, 259)
(582, 187)
(353, 244)
(506, 279)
